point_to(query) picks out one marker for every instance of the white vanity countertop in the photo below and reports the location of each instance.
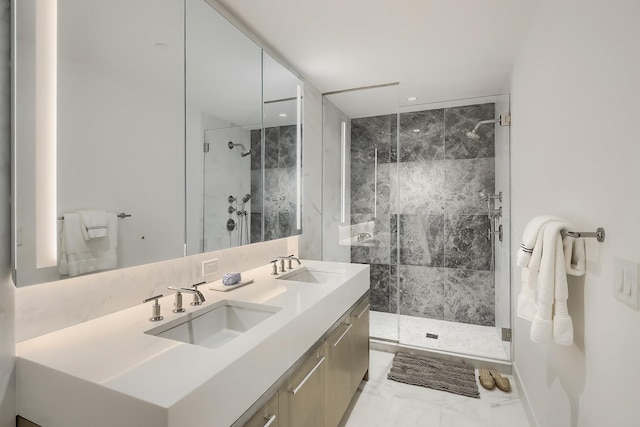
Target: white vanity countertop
(107, 371)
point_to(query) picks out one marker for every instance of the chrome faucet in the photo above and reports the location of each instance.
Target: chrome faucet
(198, 298)
(288, 258)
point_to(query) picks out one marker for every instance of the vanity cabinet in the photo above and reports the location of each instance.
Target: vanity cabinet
(302, 396)
(359, 344)
(338, 349)
(268, 415)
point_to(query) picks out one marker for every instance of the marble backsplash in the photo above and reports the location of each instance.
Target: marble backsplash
(422, 196)
(44, 308)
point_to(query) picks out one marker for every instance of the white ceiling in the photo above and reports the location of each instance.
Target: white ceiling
(438, 50)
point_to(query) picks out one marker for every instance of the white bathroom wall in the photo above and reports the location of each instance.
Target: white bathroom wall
(575, 151)
(7, 347)
(311, 239)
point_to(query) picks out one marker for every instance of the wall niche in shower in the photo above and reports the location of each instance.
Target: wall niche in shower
(432, 226)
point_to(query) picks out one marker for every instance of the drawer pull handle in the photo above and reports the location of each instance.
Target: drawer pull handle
(305, 379)
(343, 335)
(364, 311)
(270, 419)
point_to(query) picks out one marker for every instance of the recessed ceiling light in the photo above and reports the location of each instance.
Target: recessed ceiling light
(412, 98)
(283, 114)
(416, 130)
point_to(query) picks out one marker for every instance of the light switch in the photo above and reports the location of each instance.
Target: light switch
(625, 282)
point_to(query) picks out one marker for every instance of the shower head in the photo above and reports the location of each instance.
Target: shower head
(474, 133)
(246, 198)
(482, 194)
(245, 151)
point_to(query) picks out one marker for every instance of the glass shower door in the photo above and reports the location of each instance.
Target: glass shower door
(359, 148)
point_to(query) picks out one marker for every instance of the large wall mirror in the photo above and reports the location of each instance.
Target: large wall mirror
(131, 131)
(244, 137)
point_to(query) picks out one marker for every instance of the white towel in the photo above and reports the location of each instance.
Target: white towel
(530, 238)
(544, 291)
(78, 256)
(94, 224)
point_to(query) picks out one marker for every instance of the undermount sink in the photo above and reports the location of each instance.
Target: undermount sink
(216, 325)
(311, 275)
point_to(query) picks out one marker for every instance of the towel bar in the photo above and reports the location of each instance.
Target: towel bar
(120, 215)
(598, 234)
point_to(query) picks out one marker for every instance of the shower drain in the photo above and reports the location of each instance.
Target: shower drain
(433, 336)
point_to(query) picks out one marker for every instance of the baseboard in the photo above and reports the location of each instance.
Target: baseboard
(524, 397)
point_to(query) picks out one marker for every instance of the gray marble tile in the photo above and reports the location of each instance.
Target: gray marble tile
(271, 143)
(421, 291)
(369, 134)
(421, 135)
(394, 295)
(287, 189)
(271, 225)
(460, 120)
(421, 240)
(271, 190)
(466, 242)
(379, 279)
(418, 187)
(469, 297)
(287, 147)
(256, 227)
(256, 149)
(256, 191)
(370, 192)
(463, 180)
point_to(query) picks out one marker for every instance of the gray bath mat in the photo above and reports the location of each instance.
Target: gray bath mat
(438, 374)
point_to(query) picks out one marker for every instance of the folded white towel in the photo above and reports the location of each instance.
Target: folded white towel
(544, 291)
(94, 224)
(78, 256)
(530, 237)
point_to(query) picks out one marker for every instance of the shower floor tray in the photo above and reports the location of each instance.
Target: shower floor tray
(474, 340)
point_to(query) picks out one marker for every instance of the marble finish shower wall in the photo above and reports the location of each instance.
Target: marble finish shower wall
(420, 188)
(278, 211)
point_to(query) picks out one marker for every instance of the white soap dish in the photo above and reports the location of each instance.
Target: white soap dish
(219, 286)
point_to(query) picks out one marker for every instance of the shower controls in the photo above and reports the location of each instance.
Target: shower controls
(231, 209)
(231, 199)
(231, 225)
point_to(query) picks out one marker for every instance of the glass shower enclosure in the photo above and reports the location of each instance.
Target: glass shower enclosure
(421, 194)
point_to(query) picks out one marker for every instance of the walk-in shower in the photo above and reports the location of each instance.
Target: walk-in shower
(430, 204)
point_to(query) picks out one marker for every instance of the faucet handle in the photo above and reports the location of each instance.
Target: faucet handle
(155, 308)
(178, 302)
(275, 267)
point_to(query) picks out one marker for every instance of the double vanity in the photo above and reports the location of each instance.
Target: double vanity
(284, 350)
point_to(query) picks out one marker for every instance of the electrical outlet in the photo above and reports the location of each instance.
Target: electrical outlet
(209, 267)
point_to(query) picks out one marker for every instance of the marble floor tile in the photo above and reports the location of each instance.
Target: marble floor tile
(382, 402)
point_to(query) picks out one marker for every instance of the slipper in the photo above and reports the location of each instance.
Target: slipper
(502, 382)
(486, 379)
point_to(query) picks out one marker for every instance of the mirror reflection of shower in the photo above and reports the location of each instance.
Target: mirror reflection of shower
(243, 219)
(245, 151)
